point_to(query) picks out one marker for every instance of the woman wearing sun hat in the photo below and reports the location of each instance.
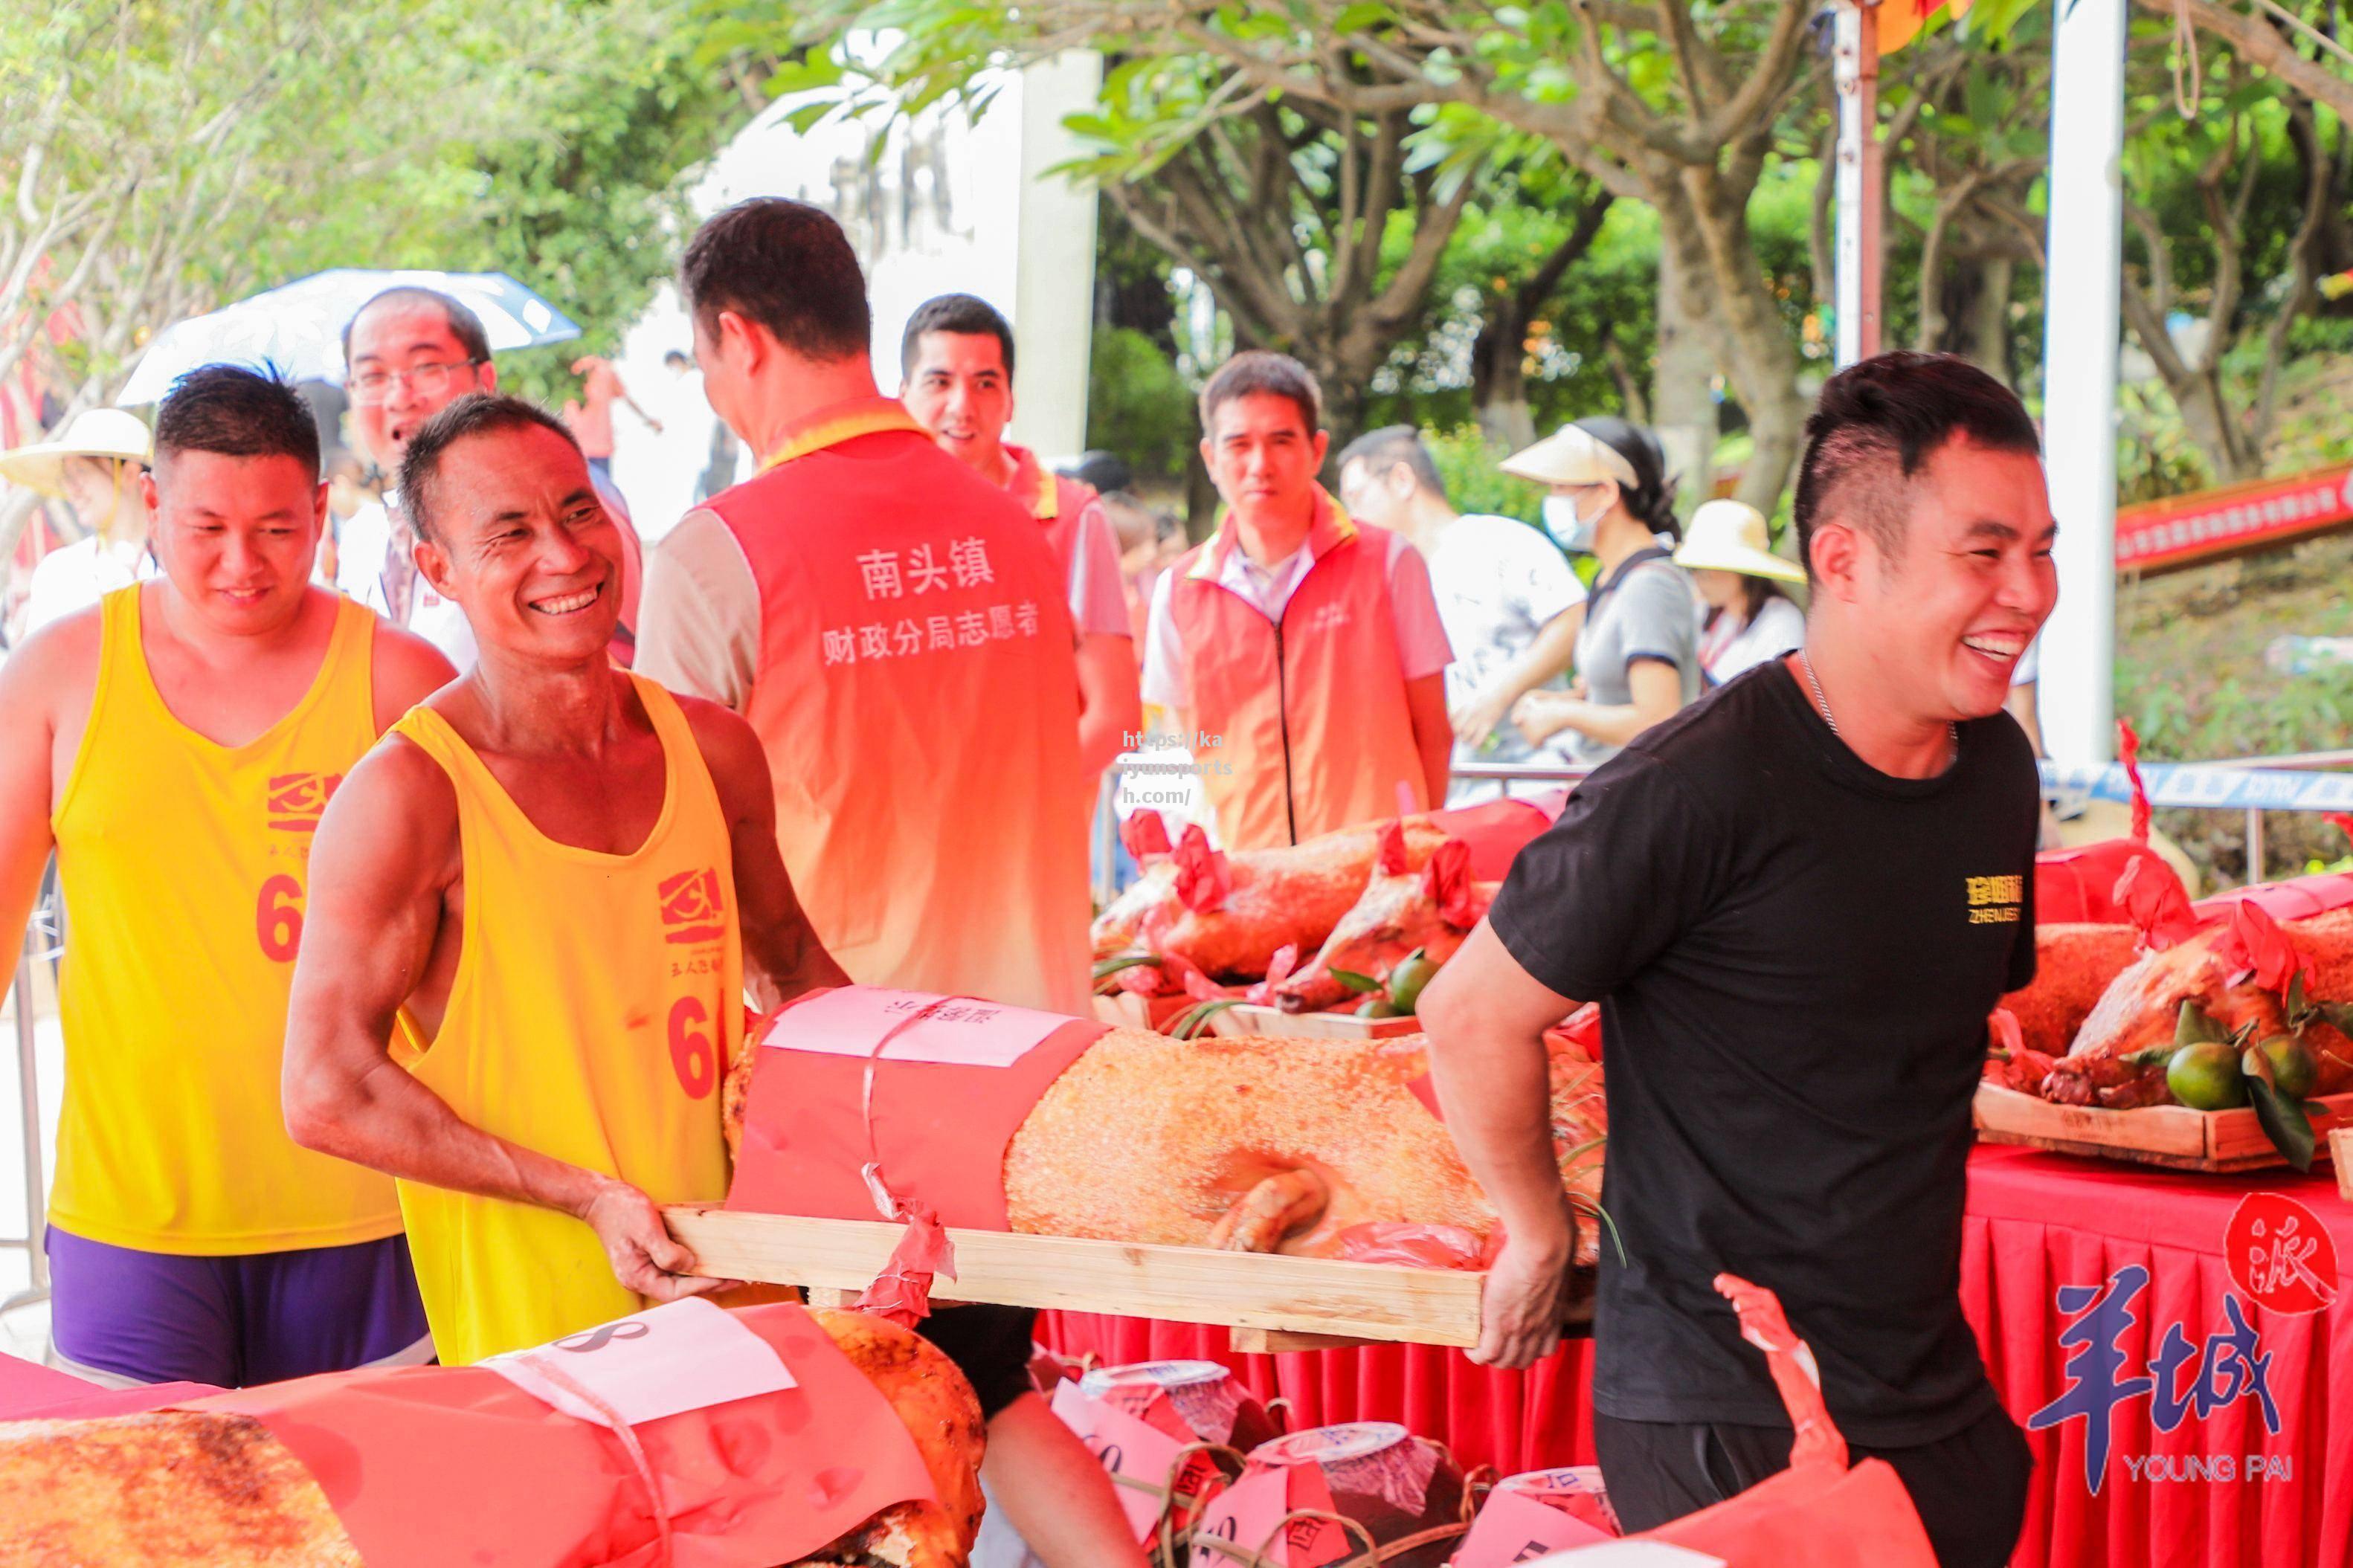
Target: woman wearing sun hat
(1749, 618)
(1637, 654)
(93, 466)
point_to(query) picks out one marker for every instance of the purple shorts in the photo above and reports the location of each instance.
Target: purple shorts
(154, 1317)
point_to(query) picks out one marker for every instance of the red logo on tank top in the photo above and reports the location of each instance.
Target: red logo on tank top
(690, 907)
(297, 799)
(2281, 1254)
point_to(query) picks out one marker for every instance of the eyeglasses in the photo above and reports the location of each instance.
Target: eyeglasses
(374, 386)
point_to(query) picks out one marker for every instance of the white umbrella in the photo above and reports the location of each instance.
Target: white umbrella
(299, 329)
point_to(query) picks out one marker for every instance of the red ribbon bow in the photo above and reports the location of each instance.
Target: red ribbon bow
(1393, 859)
(2339, 821)
(2156, 902)
(1203, 879)
(1144, 834)
(2255, 948)
(1448, 880)
(902, 1291)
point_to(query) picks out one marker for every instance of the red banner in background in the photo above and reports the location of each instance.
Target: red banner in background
(2182, 530)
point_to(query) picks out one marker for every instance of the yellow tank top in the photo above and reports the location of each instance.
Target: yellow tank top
(183, 863)
(597, 1002)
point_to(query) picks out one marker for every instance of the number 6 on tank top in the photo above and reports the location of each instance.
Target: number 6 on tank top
(691, 1052)
(278, 919)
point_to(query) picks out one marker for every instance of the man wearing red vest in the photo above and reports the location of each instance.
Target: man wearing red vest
(1300, 650)
(893, 627)
(957, 359)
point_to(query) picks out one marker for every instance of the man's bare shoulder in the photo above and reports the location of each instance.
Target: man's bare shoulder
(395, 803)
(406, 670)
(730, 746)
(56, 668)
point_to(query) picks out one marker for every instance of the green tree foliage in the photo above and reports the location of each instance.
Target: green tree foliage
(170, 156)
(1469, 461)
(1136, 405)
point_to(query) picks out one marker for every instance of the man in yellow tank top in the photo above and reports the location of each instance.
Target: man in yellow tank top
(174, 745)
(535, 910)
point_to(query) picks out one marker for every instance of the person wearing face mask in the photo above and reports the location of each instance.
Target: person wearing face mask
(94, 467)
(1749, 618)
(1638, 653)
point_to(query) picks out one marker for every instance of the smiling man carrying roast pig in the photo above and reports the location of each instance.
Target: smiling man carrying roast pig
(1740, 890)
(534, 908)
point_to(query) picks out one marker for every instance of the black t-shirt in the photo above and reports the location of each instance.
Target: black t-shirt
(1795, 954)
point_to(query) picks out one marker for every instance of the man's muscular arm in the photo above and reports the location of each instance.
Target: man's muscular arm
(381, 866)
(783, 956)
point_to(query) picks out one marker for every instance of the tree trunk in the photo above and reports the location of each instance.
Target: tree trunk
(1753, 341)
(1498, 383)
(1987, 327)
(1682, 394)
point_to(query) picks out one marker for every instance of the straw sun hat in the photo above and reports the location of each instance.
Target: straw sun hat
(1571, 456)
(1730, 536)
(110, 433)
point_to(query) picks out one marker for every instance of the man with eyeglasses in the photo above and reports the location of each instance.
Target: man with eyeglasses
(408, 353)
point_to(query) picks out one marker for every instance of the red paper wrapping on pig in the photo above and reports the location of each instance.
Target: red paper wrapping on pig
(945, 1099)
(428, 1467)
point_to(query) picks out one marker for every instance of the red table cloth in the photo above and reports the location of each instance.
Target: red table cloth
(2036, 1224)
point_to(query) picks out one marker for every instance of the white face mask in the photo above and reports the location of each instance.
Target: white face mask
(1565, 524)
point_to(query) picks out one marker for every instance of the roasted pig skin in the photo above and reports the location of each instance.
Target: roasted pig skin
(1149, 1139)
(2074, 966)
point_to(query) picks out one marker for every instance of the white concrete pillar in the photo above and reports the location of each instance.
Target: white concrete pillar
(1855, 73)
(1054, 295)
(2080, 335)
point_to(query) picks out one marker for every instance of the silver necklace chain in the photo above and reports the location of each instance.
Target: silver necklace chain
(1952, 732)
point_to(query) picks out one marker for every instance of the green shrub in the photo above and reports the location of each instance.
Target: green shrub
(1469, 463)
(1137, 405)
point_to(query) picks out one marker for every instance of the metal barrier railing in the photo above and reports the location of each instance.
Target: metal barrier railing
(39, 947)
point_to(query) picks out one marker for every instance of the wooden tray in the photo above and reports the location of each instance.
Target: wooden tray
(1272, 1302)
(1247, 1019)
(2173, 1136)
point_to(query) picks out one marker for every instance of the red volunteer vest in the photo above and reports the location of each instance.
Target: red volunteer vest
(917, 695)
(1310, 711)
(1054, 499)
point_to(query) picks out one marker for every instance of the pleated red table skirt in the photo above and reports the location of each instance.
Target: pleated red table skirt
(2036, 1222)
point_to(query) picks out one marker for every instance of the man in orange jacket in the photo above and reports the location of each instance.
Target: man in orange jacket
(1300, 650)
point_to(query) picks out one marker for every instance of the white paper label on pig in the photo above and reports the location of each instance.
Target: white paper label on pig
(958, 1031)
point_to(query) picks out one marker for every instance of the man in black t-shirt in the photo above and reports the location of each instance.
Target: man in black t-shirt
(1796, 903)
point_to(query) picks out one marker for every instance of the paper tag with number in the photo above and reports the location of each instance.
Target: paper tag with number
(958, 1031)
(1514, 1526)
(1125, 1446)
(1245, 1515)
(667, 1360)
